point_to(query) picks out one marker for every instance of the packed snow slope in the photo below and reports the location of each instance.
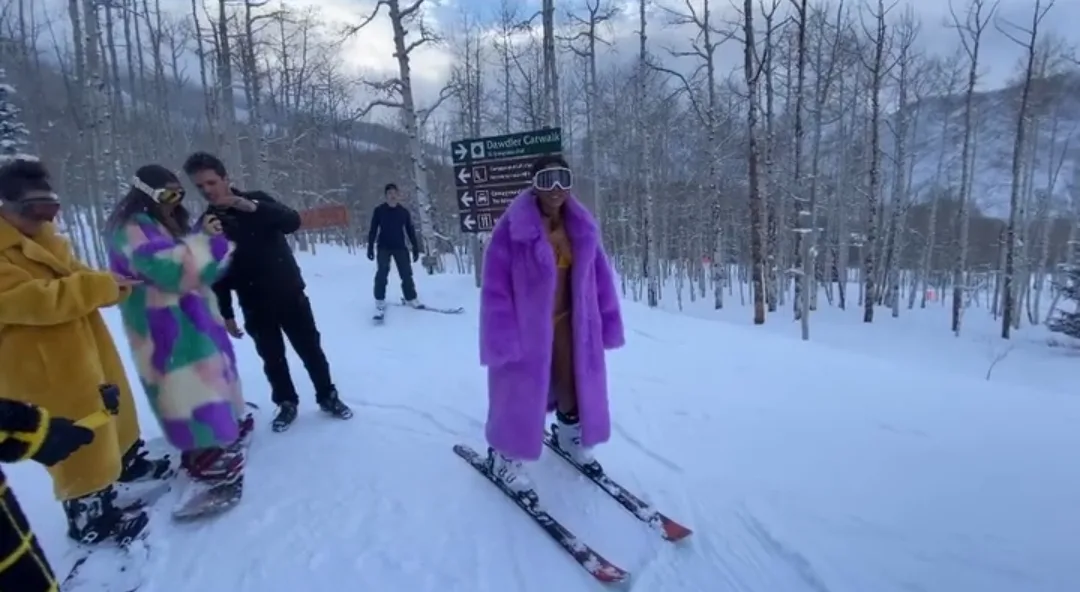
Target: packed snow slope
(799, 466)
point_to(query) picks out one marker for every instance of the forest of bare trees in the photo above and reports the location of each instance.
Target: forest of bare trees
(838, 163)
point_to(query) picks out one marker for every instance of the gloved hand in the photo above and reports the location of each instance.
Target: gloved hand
(415, 256)
(62, 440)
(370, 255)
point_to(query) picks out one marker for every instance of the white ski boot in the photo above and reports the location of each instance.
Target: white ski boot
(568, 438)
(510, 472)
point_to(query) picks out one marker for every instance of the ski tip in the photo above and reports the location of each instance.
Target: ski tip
(673, 531)
(463, 450)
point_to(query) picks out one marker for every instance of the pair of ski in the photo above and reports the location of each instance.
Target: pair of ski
(599, 567)
(380, 315)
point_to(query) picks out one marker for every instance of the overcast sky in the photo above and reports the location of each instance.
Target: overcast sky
(372, 50)
(1000, 56)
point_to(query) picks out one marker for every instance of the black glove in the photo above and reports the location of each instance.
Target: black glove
(62, 440)
(415, 256)
(370, 255)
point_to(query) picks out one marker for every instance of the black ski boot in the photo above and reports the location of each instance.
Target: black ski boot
(137, 467)
(332, 404)
(95, 518)
(286, 415)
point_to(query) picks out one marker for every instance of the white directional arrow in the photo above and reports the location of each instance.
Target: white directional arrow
(466, 199)
(464, 175)
(469, 222)
(460, 151)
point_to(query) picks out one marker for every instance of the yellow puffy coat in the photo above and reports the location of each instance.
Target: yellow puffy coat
(55, 350)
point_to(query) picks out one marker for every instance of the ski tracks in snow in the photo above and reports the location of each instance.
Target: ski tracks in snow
(733, 552)
(382, 499)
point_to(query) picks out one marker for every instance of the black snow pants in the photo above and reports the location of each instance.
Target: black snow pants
(269, 323)
(403, 262)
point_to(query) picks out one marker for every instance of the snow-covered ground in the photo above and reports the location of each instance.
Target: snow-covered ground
(921, 338)
(868, 460)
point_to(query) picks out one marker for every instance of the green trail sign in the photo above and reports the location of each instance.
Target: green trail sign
(489, 172)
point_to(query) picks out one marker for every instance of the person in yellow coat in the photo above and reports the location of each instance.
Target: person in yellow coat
(56, 353)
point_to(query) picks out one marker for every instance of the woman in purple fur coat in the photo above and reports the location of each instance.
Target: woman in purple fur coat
(548, 311)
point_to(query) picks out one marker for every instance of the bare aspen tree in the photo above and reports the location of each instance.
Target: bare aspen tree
(230, 143)
(651, 267)
(1059, 149)
(752, 73)
(827, 66)
(509, 24)
(804, 278)
(398, 94)
(878, 70)
(906, 34)
(254, 87)
(970, 29)
(584, 45)
(552, 110)
(776, 205)
(210, 104)
(1027, 38)
(97, 115)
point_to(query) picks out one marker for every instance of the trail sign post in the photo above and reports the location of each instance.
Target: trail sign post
(489, 172)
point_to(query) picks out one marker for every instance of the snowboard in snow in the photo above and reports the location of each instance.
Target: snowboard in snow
(107, 567)
(668, 528)
(204, 499)
(110, 568)
(210, 499)
(600, 568)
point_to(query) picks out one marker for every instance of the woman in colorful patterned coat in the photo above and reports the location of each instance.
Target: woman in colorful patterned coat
(178, 340)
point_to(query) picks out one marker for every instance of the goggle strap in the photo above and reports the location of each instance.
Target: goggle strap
(155, 194)
(137, 183)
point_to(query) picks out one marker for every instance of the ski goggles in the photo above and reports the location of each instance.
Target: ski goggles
(37, 206)
(165, 195)
(550, 179)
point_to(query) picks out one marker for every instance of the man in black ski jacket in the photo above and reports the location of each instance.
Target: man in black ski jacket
(267, 281)
(391, 224)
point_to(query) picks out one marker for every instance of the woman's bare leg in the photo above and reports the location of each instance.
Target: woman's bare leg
(562, 369)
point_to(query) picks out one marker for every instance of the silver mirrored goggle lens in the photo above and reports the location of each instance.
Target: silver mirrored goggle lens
(549, 179)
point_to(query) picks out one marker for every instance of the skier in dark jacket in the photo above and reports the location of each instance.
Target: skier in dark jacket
(27, 432)
(391, 224)
(267, 281)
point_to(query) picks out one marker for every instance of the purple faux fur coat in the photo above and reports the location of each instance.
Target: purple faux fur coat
(517, 303)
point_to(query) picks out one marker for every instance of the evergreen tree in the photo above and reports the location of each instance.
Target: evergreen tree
(13, 133)
(1068, 322)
